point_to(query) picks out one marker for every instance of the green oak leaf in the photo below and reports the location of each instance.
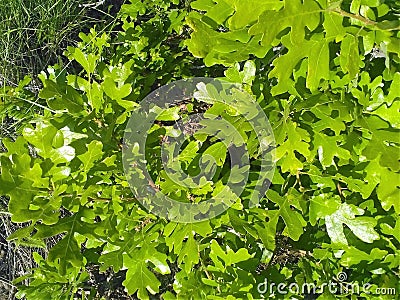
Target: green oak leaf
(223, 259)
(116, 92)
(292, 139)
(390, 113)
(22, 183)
(266, 230)
(88, 62)
(68, 251)
(353, 256)
(44, 137)
(217, 151)
(383, 142)
(169, 114)
(138, 277)
(188, 252)
(287, 210)
(383, 179)
(218, 10)
(93, 154)
(113, 252)
(323, 205)
(329, 147)
(324, 114)
(59, 98)
(392, 231)
(248, 12)
(296, 15)
(133, 9)
(362, 227)
(220, 47)
(349, 55)
(317, 53)
(189, 152)
(394, 91)
(245, 76)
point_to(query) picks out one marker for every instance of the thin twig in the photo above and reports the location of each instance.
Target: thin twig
(353, 16)
(4, 281)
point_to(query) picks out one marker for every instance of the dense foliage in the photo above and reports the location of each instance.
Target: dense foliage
(327, 75)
